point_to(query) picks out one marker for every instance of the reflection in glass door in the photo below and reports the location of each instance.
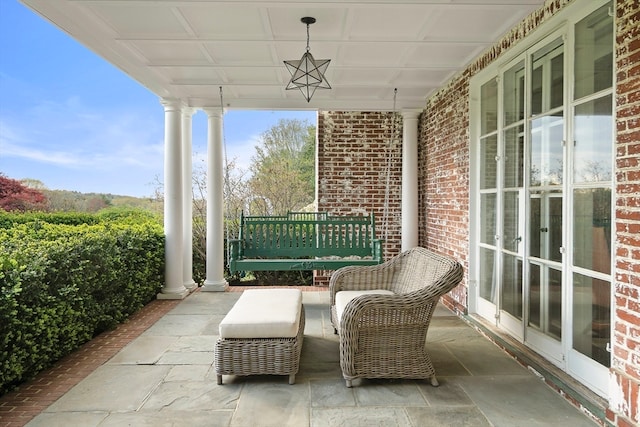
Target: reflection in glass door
(591, 191)
(488, 182)
(545, 268)
(546, 201)
(592, 231)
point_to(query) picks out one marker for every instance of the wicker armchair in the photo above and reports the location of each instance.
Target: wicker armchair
(383, 334)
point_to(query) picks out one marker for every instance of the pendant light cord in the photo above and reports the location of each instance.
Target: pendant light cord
(226, 161)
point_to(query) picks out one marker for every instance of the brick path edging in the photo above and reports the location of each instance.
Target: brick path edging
(20, 406)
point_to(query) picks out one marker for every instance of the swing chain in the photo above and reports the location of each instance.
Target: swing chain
(392, 138)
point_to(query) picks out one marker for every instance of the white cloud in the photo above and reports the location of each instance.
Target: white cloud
(72, 135)
(242, 152)
(239, 152)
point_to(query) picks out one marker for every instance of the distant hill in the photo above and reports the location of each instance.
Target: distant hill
(67, 201)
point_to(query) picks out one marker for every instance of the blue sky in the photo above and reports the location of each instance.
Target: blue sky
(75, 122)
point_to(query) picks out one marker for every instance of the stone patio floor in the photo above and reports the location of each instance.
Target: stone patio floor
(157, 370)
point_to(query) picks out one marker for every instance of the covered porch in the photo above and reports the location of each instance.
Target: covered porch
(448, 60)
(150, 372)
(215, 56)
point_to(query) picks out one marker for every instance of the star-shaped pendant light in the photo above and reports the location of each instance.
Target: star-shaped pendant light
(307, 73)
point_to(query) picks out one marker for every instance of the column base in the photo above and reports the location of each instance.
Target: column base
(191, 285)
(180, 294)
(214, 286)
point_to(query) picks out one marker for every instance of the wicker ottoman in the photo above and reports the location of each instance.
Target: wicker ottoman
(262, 335)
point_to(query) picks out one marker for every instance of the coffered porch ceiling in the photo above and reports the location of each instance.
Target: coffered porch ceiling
(187, 49)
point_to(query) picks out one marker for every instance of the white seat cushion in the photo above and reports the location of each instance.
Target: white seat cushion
(343, 298)
(264, 313)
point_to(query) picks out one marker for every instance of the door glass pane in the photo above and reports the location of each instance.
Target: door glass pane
(554, 303)
(487, 275)
(545, 225)
(547, 78)
(488, 218)
(489, 107)
(535, 225)
(592, 229)
(557, 81)
(545, 299)
(546, 151)
(554, 243)
(488, 170)
(536, 91)
(511, 222)
(535, 296)
(594, 53)
(593, 141)
(512, 285)
(591, 317)
(513, 89)
(514, 157)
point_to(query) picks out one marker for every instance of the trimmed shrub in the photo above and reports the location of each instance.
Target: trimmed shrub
(61, 284)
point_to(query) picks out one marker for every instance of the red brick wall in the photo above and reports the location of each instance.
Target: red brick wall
(625, 365)
(443, 178)
(354, 152)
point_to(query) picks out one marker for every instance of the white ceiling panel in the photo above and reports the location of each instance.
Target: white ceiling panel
(362, 76)
(382, 23)
(253, 76)
(191, 74)
(382, 55)
(133, 20)
(285, 23)
(240, 53)
(189, 48)
(228, 21)
(168, 52)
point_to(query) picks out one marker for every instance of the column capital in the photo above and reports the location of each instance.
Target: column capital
(410, 114)
(213, 111)
(172, 104)
(189, 111)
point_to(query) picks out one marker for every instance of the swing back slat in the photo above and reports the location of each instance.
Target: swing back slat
(304, 241)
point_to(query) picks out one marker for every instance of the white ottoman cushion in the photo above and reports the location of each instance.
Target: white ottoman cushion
(264, 313)
(343, 298)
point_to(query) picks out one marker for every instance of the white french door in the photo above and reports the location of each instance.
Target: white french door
(543, 190)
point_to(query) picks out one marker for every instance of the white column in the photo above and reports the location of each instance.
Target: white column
(409, 179)
(215, 280)
(173, 287)
(187, 205)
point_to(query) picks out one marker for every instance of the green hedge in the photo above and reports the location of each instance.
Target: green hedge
(61, 284)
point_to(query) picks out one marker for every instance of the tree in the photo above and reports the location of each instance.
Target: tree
(235, 197)
(62, 201)
(283, 169)
(283, 180)
(36, 184)
(15, 196)
(95, 203)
